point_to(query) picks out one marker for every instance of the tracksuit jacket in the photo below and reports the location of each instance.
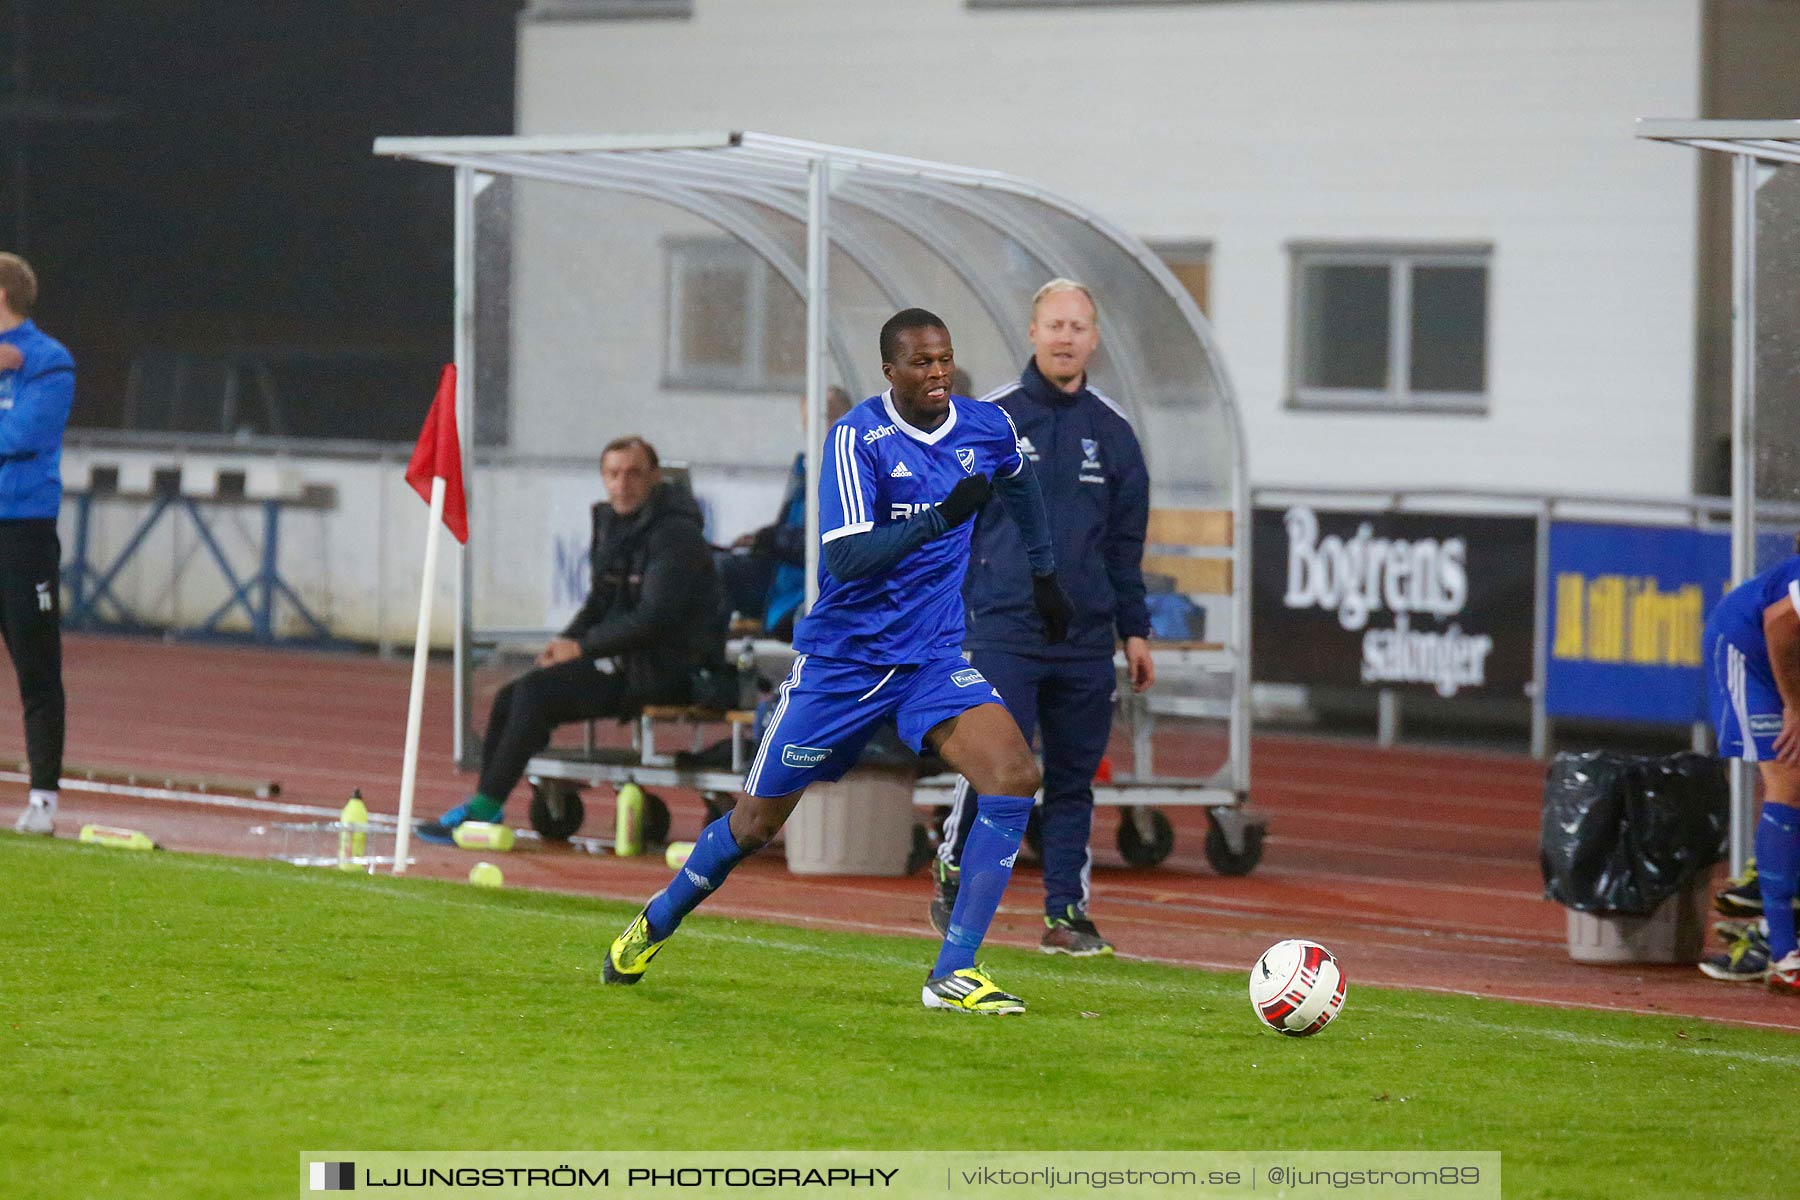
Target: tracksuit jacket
(1097, 492)
(34, 408)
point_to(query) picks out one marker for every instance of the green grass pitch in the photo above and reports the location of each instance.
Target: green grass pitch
(183, 1026)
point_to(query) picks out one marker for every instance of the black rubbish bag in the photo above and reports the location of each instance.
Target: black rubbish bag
(1624, 832)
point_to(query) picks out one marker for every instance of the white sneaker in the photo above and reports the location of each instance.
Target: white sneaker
(39, 817)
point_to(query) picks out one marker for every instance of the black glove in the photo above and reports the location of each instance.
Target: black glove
(1047, 596)
(965, 499)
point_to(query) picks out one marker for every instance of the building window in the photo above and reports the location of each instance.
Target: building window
(1191, 264)
(734, 324)
(1391, 327)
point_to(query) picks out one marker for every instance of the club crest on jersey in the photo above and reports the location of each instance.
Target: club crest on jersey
(966, 457)
(1090, 462)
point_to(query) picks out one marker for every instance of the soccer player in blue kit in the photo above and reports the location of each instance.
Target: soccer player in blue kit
(901, 475)
(1753, 649)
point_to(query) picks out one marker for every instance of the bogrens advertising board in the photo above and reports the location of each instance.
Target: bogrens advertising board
(1438, 602)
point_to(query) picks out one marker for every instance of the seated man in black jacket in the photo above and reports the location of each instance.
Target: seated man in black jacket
(652, 617)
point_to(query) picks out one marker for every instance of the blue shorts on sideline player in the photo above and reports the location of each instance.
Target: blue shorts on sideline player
(830, 707)
(1746, 706)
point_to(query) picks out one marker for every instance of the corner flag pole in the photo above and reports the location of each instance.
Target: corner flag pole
(436, 473)
(415, 702)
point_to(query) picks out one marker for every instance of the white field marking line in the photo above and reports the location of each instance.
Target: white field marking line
(1383, 821)
(240, 803)
(1474, 860)
(1506, 805)
(1201, 904)
(207, 799)
(378, 822)
(383, 821)
(1519, 998)
(1265, 913)
(1584, 1039)
(1308, 748)
(1054, 975)
(1455, 781)
(1417, 940)
(1374, 882)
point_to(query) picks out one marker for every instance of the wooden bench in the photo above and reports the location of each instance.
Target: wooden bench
(1201, 565)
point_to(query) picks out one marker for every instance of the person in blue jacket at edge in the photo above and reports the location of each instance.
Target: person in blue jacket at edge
(37, 388)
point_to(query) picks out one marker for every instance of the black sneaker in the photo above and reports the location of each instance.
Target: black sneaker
(1746, 962)
(1073, 934)
(944, 881)
(1742, 896)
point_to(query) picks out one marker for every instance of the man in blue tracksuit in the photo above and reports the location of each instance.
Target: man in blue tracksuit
(37, 386)
(1097, 491)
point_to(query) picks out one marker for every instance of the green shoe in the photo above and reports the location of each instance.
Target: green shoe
(632, 950)
(970, 991)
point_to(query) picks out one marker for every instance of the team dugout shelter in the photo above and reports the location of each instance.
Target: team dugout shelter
(705, 290)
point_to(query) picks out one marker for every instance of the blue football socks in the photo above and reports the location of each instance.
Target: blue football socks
(987, 865)
(1777, 864)
(707, 866)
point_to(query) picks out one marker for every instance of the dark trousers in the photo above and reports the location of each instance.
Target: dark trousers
(527, 710)
(1070, 700)
(31, 625)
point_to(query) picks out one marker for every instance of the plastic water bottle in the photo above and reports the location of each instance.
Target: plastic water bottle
(353, 832)
(748, 690)
(628, 822)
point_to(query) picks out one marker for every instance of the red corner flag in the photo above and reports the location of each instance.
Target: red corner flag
(439, 452)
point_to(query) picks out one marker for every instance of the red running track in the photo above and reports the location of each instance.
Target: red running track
(1418, 867)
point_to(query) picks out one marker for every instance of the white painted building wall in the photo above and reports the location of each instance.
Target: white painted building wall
(1250, 126)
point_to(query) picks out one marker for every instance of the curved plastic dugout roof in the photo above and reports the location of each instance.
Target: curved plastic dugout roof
(1776, 141)
(901, 230)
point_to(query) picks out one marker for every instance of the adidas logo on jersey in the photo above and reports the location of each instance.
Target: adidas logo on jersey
(900, 472)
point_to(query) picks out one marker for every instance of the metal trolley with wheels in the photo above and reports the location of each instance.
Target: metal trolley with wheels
(559, 776)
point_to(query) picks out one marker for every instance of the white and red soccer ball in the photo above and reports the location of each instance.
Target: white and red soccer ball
(1296, 987)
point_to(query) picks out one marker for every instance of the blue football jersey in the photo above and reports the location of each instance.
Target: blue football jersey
(1738, 618)
(877, 470)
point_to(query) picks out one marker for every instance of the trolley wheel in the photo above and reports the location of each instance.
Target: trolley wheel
(1149, 845)
(1034, 832)
(921, 852)
(556, 809)
(656, 820)
(717, 804)
(1224, 860)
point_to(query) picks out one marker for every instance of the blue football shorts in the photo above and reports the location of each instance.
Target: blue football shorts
(828, 708)
(1746, 706)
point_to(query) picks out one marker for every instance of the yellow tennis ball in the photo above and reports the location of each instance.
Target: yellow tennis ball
(486, 874)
